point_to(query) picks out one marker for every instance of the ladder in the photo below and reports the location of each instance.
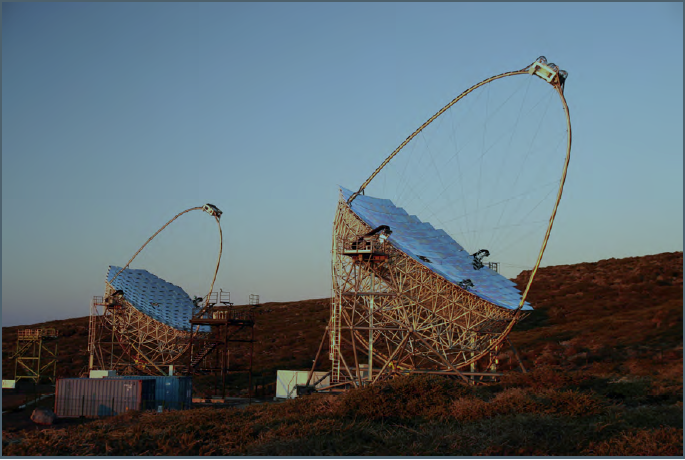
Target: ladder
(335, 339)
(207, 349)
(92, 323)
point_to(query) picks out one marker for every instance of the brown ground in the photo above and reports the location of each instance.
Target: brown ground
(615, 315)
(17, 419)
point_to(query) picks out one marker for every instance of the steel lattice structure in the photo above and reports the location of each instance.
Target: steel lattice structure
(123, 338)
(36, 355)
(408, 316)
(392, 313)
(126, 339)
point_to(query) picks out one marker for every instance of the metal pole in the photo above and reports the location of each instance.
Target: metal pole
(111, 354)
(517, 356)
(473, 345)
(357, 371)
(17, 357)
(311, 372)
(249, 391)
(191, 369)
(40, 355)
(224, 369)
(371, 328)
(392, 356)
(216, 366)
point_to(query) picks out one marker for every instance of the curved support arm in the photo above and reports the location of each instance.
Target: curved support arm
(558, 84)
(430, 120)
(517, 313)
(557, 78)
(559, 192)
(211, 210)
(218, 261)
(540, 68)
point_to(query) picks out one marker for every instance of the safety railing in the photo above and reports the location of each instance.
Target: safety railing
(234, 314)
(30, 334)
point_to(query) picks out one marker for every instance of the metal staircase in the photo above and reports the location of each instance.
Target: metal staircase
(206, 350)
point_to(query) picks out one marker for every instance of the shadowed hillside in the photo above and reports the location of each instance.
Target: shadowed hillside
(604, 354)
(616, 315)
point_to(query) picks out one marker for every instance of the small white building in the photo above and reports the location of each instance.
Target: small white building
(100, 374)
(287, 381)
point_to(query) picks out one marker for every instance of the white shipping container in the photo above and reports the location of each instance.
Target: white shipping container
(286, 382)
(97, 374)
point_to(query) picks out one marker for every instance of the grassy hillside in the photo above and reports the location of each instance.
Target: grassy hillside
(622, 316)
(604, 350)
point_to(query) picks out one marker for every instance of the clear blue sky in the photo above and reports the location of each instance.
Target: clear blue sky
(117, 116)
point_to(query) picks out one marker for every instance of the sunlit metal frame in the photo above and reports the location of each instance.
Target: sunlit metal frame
(398, 316)
(412, 319)
(36, 355)
(125, 339)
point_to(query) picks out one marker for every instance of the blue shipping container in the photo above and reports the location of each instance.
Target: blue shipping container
(171, 392)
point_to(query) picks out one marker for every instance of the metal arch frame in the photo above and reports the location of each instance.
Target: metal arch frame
(496, 321)
(205, 208)
(551, 76)
(135, 333)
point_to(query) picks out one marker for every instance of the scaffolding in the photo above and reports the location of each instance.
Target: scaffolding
(254, 300)
(210, 353)
(136, 330)
(396, 311)
(391, 315)
(36, 355)
(122, 338)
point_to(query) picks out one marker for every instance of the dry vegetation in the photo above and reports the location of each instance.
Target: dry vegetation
(528, 415)
(604, 349)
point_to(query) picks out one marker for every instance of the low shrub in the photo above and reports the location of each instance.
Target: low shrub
(544, 377)
(403, 397)
(570, 403)
(655, 442)
(470, 409)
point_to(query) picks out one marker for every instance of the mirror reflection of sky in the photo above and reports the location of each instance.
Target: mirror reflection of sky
(117, 116)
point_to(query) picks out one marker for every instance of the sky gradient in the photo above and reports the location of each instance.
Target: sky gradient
(117, 116)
